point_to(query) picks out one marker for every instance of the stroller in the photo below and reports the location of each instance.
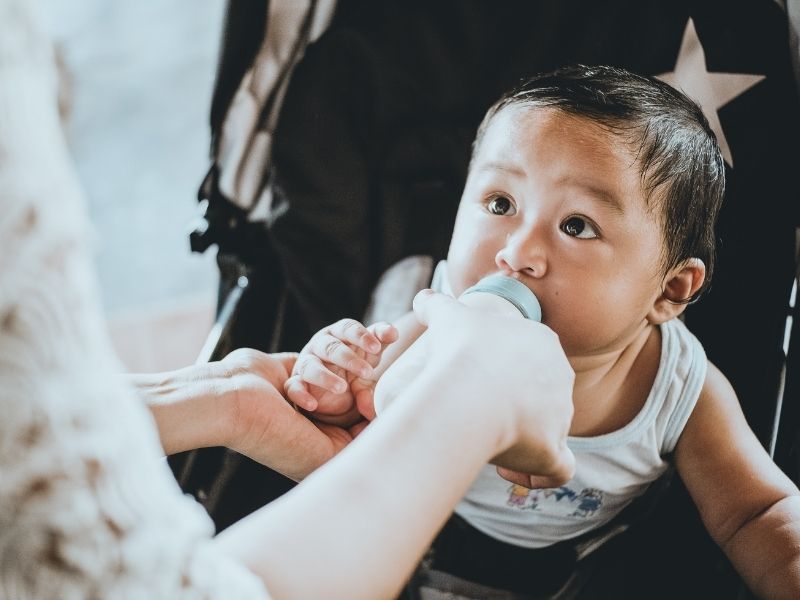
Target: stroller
(340, 140)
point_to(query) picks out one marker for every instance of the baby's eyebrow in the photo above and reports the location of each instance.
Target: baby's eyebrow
(600, 194)
(505, 167)
(595, 192)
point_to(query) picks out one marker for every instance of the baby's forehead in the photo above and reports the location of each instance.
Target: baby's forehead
(529, 115)
(530, 126)
(543, 143)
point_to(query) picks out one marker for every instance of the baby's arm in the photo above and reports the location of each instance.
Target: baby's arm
(336, 372)
(750, 507)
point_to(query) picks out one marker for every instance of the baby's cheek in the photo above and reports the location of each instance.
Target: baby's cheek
(456, 277)
(468, 262)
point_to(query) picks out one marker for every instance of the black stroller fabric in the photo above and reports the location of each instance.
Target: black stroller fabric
(372, 146)
(370, 156)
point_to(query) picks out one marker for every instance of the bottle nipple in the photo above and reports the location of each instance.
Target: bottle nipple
(511, 290)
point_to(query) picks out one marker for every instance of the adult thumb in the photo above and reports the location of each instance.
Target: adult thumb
(427, 304)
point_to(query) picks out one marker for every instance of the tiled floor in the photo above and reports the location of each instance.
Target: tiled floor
(141, 76)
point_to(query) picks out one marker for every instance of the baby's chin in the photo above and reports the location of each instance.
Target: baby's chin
(574, 343)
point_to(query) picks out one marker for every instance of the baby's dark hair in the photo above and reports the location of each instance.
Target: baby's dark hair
(680, 161)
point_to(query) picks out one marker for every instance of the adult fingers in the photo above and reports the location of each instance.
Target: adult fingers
(531, 482)
(358, 428)
(559, 472)
(518, 477)
(427, 304)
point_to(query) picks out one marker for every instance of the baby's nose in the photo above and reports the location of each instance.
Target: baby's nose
(525, 259)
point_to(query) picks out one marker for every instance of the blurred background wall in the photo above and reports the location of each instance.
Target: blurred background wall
(139, 77)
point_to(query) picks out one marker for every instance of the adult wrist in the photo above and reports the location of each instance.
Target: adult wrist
(192, 407)
(455, 395)
(216, 400)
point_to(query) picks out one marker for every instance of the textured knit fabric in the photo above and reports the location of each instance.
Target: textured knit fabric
(88, 509)
(611, 470)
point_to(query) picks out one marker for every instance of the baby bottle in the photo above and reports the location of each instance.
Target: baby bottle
(497, 293)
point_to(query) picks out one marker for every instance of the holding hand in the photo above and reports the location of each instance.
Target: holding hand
(532, 390)
(237, 403)
(333, 376)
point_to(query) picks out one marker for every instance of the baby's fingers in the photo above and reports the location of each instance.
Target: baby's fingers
(354, 333)
(310, 369)
(297, 391)
(336, 352)
(384, 332)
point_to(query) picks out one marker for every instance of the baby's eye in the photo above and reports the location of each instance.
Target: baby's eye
(579, 227)
(500, 205)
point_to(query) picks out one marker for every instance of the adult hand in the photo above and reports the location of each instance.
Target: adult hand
(236, 403)
(533, 393)
(491, 385)
(265, 426)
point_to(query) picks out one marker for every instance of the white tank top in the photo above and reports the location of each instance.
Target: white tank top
(611, 469)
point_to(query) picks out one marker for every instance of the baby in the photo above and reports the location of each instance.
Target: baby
(599, 190)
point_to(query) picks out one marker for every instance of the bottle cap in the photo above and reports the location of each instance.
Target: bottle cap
(512, 290)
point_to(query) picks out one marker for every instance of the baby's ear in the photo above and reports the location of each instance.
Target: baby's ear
(680, 286)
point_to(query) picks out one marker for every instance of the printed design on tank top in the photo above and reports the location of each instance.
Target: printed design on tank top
(562, 500)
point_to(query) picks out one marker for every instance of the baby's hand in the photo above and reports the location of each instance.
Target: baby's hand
(333, 376)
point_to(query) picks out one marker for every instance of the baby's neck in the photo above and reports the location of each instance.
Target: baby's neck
(612, 387)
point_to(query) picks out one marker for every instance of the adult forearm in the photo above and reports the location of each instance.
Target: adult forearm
(369, 515)
(188, 406)
(774, 570)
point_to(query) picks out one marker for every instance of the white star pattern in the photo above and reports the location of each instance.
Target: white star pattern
(711, 91)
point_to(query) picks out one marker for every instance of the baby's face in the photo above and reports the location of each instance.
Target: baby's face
(557, 202)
